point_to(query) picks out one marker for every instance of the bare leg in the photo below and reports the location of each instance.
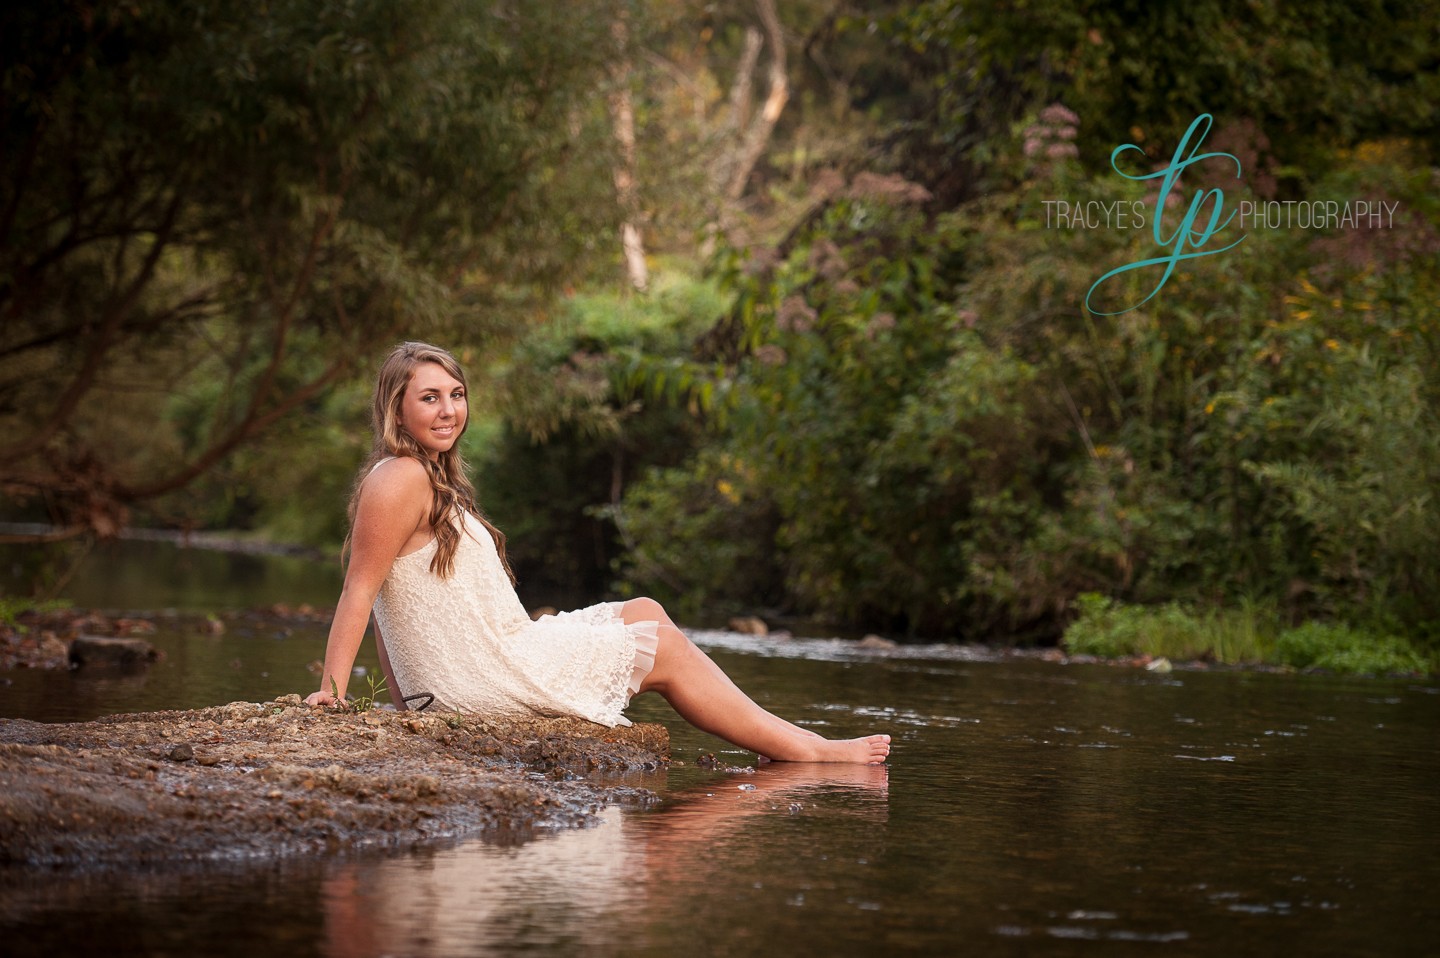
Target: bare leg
(706, 698)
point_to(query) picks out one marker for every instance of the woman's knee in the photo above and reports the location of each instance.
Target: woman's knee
(675, 654)
(645, 610)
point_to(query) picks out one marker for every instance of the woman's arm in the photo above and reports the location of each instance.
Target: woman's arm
(394, 506)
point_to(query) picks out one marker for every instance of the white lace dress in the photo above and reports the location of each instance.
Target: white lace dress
(468, 641)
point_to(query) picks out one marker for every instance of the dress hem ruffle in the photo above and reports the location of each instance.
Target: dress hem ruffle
(647, 643)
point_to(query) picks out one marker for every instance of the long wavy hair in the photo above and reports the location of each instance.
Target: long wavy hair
(451, 491)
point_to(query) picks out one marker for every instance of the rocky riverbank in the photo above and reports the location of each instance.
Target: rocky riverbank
(249, 780)
(44, 638)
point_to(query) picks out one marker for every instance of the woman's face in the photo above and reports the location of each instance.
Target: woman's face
(433, 408)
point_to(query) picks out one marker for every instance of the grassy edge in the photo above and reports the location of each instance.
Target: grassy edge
(1250, 634)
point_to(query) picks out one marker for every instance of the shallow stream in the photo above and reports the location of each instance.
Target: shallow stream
(1031, 808)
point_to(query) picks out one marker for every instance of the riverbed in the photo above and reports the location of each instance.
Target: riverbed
(1030, 808)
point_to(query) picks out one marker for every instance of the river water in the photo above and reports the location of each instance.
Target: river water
(1030, 808)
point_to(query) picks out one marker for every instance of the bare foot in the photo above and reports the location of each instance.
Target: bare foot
(868, 750)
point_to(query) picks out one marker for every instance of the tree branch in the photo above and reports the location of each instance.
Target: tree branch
(179, 311)
(324, 225)
(81, 383)
(740, 90)
(241, 432)
(18, 181)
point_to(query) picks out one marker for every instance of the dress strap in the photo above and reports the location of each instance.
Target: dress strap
(381, 463)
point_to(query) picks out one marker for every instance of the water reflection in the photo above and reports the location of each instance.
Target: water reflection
(165, 575)
(599, 889)
(1031, 808)
(462, 900)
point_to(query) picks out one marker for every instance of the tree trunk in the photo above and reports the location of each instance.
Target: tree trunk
(622, 113)
(732, 169)
(757, 134)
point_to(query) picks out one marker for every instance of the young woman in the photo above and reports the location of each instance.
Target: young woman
(450, 626)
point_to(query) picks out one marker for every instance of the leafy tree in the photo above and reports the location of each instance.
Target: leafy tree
(950, 444)
(212, 214)
(576, 432)
(1311, 80)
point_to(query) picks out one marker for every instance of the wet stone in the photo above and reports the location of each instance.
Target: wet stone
(95, 651)
(279, 778)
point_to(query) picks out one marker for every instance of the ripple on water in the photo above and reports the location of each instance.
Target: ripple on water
(843, 650)
(892, 715)
(1081, 933)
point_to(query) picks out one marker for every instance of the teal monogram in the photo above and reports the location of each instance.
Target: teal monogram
(1186, 242)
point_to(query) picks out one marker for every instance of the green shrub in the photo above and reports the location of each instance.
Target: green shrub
(13, 607)
(701, 538)
(1110, 629)
(1340, 648)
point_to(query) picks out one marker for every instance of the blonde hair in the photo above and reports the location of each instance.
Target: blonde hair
(451, 491)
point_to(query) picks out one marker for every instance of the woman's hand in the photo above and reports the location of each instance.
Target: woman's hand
(323, 699)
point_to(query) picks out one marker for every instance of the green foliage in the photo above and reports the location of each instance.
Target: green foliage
(890, 409)
(210, 214)
(1340, 648)
(13, 607)
(1111, 629)
(364, 701)
(584, 418)
(950, 445)
(370, 698)
(700, 538)
(292, 487)
(580, 371)
(1317, 79)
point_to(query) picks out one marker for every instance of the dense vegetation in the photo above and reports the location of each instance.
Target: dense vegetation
(212, 216)
(865, 386)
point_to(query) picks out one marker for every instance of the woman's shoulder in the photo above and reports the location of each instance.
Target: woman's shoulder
(397, 477)
(398, 465)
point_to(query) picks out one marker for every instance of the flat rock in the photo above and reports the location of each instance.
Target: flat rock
(250, 780)
(99, 650)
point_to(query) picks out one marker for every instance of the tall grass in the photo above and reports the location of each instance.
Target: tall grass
(1112, 630)
(1250, 634)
